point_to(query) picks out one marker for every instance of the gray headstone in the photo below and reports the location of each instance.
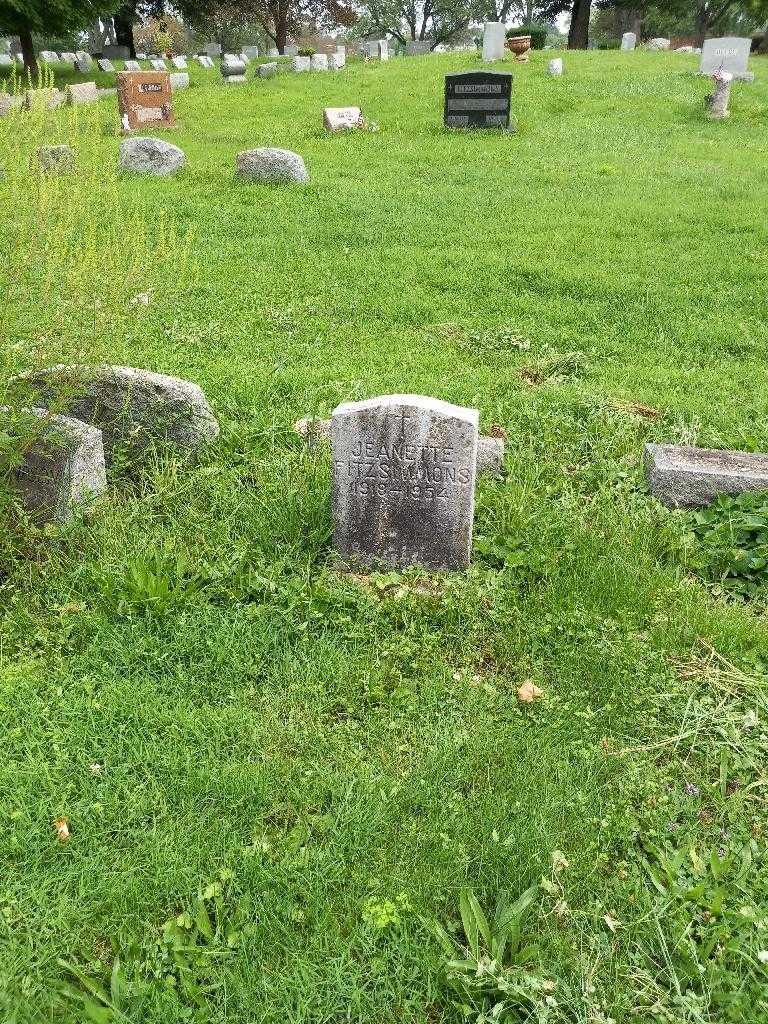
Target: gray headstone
(336, 61)
(660, 43)
(84, 92)
(132, 65)
(291, 50)
(212, 49)
(83, 62)
(132, 408)
(251, 51)
(269, 165)
(63, 463)
(301, 63)
(115, 51)
(150, 156)
(478, 99)
(56, 159)
(7, 103)
(158, 64)
(319, 62)
(105, 65)
(417, 47)
(273, 52)
(555, 67)
(6, 60)
(730, 53)
(628, 41)
(494, 41)
(682, 477)
(179, 62)
(383, 49)
(49, 57)
(404, 481)
(267, 70)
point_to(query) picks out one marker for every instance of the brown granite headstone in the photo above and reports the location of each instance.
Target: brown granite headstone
(144, 100)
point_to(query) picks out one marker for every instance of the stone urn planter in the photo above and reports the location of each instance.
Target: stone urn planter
(520, 46)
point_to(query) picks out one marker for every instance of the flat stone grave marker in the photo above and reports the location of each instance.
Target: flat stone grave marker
(105, 65)
(49, 56)
(144, 99)
(180, 63)
(478, 99)
(132, 65)
(730, 53)
(83, 61)
(685, 477)
(339, 119)
(404, 482)
(494, 41)
(158, 64)
(84, 92)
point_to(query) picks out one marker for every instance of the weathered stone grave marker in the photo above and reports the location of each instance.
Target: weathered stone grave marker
(339, 119)
(478, 99)
(144, 98)
(179, 62)
(730, 53)
(494, 41)
(628, 41)
(106, 65)
(684, 477)
(404, 481)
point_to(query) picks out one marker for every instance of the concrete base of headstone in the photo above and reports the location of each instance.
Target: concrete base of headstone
(683, 477)
(150, 156)
(133, 408)
(271, 166)
(490, 450)
(56, 159)
(235, 80)
(85, 92)
(63, 465)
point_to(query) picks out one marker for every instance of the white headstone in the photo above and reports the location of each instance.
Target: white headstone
(336, 61)
(49, 57)
(383, 49)
(180, 63)
(158, 64)
(404, 482)
(628, 41)
(660, 43)
(338, 119)
(730, 53)
(319, 62)
(301, 63)
(132, 65)
(105, 65)
(555, 67)
(494, 41)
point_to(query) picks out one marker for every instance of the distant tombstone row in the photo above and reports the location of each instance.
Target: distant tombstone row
(103, 409)
(478, 99)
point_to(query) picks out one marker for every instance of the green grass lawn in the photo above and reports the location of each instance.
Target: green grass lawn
(277, 777)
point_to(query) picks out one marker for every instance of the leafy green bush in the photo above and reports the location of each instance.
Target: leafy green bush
(730, 543)
(538, 34)
(307, 51)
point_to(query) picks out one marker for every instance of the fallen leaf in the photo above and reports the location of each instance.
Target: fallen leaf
(528, 692)
(612, 923)
(62, 829)
(559, 861)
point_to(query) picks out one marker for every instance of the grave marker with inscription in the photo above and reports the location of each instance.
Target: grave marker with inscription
(730, 53)
(478, 99)
(404, 482)
(144, 99)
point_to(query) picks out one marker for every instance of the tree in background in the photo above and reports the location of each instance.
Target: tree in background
(23, 17)
(128, 14)
(580, 11)
(433, 21)
(700, 18)
(279, 19)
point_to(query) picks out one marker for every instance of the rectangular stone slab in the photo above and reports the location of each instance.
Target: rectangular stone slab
(731, 53)
(683, 477)
(404, 482)
(494, 41)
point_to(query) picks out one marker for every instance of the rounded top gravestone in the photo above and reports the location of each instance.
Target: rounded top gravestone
(269, 165)
(404, 482)
(150, 156)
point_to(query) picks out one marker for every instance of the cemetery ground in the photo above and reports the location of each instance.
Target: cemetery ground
(277, 778)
